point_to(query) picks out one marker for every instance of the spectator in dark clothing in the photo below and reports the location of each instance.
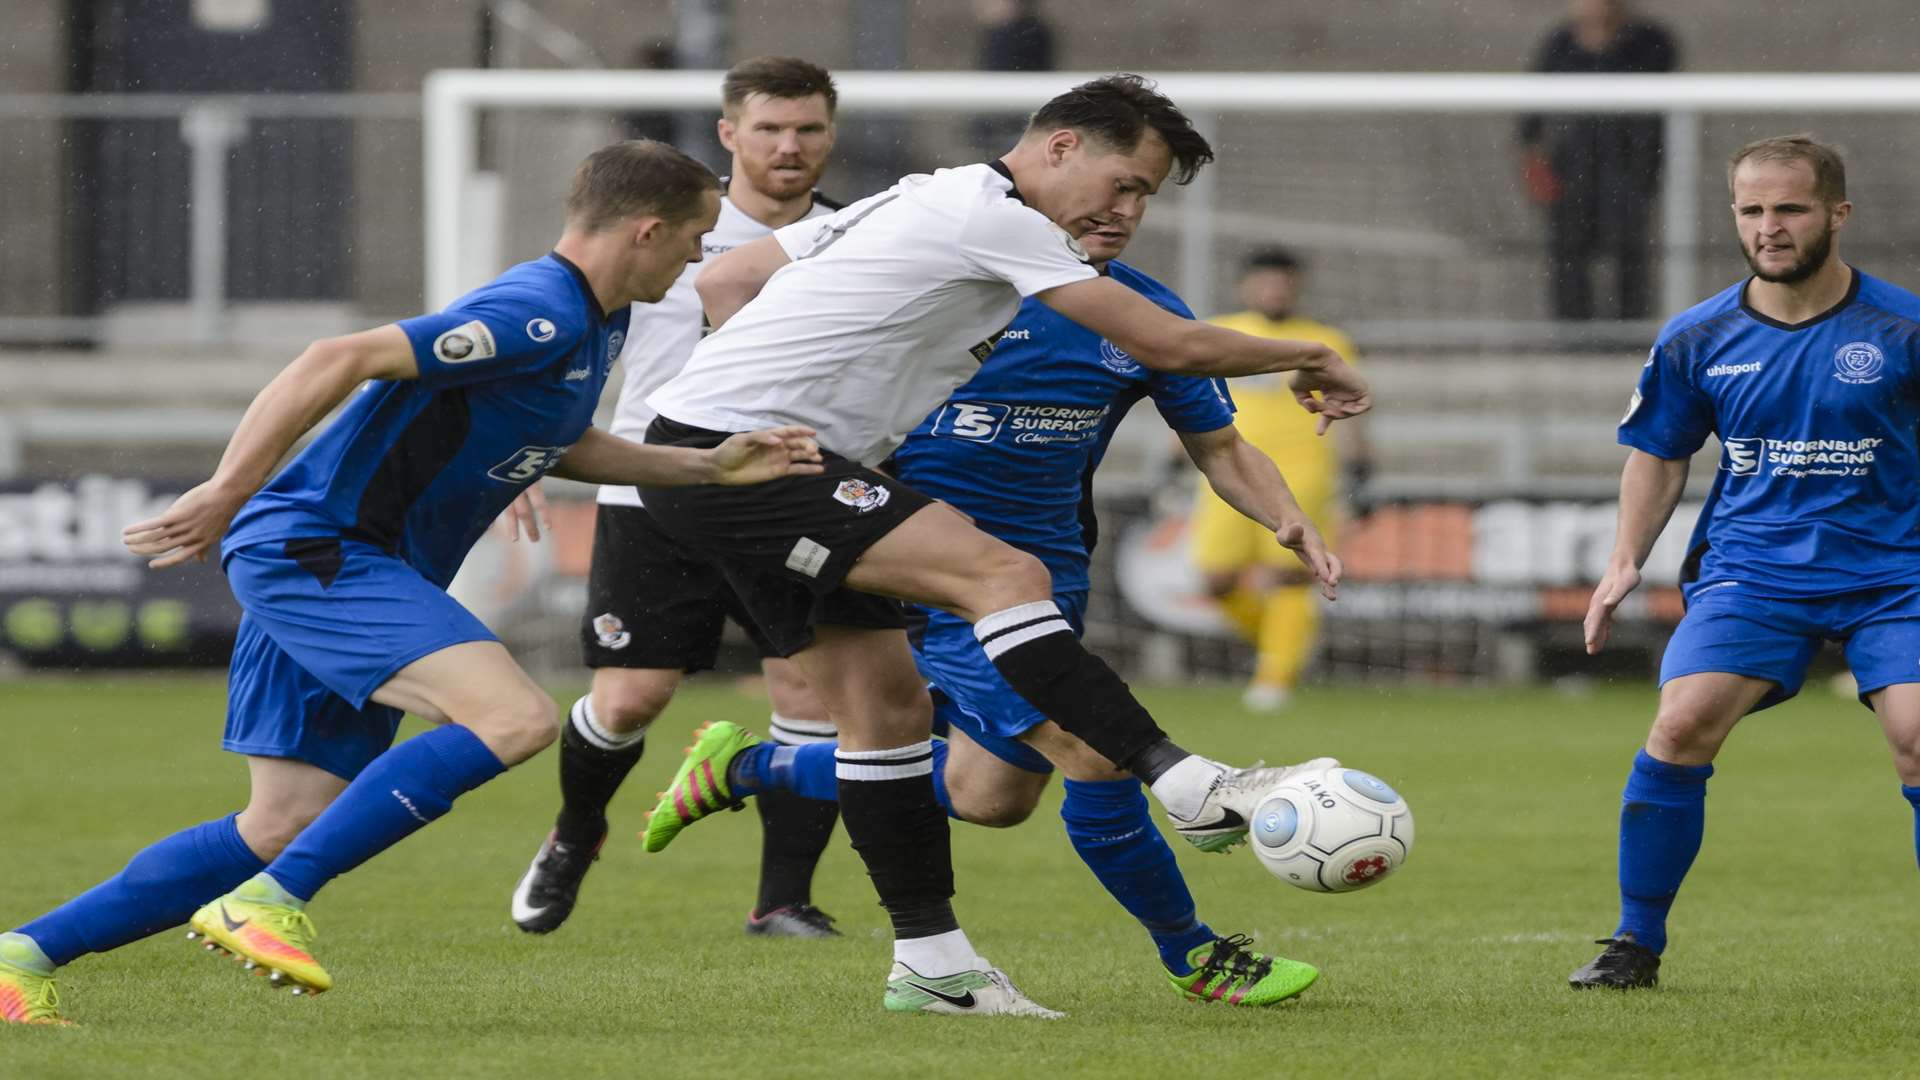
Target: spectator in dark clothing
(1596, 175)
(1014, 38)
(654, 55)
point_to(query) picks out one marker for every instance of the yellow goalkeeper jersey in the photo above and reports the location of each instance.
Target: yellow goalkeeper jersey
(1268, 417)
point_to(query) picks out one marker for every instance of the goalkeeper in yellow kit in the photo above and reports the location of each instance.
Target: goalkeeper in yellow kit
(1256, 581)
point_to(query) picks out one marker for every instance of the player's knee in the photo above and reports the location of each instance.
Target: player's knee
(999, 813)
(516, 730)
(1013, 577)
(627, 705)
(1684, 734)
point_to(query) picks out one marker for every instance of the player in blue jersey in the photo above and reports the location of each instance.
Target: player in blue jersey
(1806, 372)
(1015, 449)
(340, 564)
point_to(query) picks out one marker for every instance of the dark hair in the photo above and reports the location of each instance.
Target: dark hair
(776, 76)
(1829, 172)
(639, 176)
(1274, 258)
(1118, 110)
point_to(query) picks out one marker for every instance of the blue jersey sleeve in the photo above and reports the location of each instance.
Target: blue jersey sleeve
(1668, 416)
(489, 336)
(1188, 403)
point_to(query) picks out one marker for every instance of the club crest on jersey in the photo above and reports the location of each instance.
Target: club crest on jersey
(465, 343)
(611, 632)
(1116, 360)
(862, 496)
(541, 329)
(614, 341)
(1073, 245)
(1858, 362)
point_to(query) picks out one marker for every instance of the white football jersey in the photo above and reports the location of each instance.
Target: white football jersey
(661, 336)
(887, 307)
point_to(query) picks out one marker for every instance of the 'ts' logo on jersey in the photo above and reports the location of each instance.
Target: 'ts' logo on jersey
(1743, 456)
(976, 420)
(1858, 362)
(527, 464)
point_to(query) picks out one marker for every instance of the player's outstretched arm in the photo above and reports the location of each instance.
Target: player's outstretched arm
(1249, 482)
(750, 457)
(302, 394)
(732, 279)
(1166, 342)
(1650, 487)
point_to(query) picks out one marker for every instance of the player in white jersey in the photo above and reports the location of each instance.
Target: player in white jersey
(654, 611)
(866, 322)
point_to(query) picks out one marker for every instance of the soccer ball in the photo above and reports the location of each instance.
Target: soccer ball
(1331, 830)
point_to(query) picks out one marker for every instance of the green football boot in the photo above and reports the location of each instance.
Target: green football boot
(1226, 970)
(27, 992)
(700, 787)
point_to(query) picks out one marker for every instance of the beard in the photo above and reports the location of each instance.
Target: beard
(780, 185)
(1818, 251)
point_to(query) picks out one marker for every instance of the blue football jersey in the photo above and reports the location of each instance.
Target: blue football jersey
(509, 377)
(1819, 468)
(1014, 446)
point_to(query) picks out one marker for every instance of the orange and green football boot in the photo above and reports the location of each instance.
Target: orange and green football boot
(700, 787)
(27, 993)
(1226, 970)
(264, 936)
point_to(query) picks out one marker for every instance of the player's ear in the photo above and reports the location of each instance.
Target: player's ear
(1838, 214)
(1062, 143)
(725, 129)
(648, 229)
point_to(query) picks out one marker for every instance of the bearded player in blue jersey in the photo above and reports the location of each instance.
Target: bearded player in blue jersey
(340, 564)
(1806, 372)
(1015, 449)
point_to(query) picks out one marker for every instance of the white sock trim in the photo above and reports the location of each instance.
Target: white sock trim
(797, 732)
(584, 721)
(1015, 638)
(938, 956)
(1000, 621)
(899, 763)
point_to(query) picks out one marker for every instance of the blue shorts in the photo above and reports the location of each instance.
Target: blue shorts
(972, 696)
(326, 624)
(1775, 638)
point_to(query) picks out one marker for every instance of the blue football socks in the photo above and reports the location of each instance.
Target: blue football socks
(402, 790)
(808, 771)
(159, 888)
(1663, 814)
(1111, 826)
(1913, 796)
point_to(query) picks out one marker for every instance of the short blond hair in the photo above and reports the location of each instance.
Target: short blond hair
(1829, 172)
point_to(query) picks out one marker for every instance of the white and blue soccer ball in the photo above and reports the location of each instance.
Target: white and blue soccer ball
(1331, 830)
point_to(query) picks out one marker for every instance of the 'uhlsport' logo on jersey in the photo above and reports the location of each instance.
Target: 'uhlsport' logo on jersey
(1858, 362)
(1115, 359)
(541, 329)
(1752, 367)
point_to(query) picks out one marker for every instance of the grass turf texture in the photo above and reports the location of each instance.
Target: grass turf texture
(1790, 956)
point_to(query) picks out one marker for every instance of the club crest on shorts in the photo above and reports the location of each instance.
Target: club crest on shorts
(1858, 362)
(860, 495)
(611, 631)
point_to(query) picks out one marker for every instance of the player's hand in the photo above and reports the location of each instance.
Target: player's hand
(189, 529)
(1342, 391)
(1305, 541)
(527, 514)
(754, 457)
(1619, 581)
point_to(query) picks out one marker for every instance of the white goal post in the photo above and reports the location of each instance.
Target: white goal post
(453, 100)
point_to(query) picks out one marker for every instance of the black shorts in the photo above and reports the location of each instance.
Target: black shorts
(786, 545)
(650, 602)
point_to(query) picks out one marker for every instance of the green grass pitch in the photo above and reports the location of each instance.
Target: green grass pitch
(1792, 954)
